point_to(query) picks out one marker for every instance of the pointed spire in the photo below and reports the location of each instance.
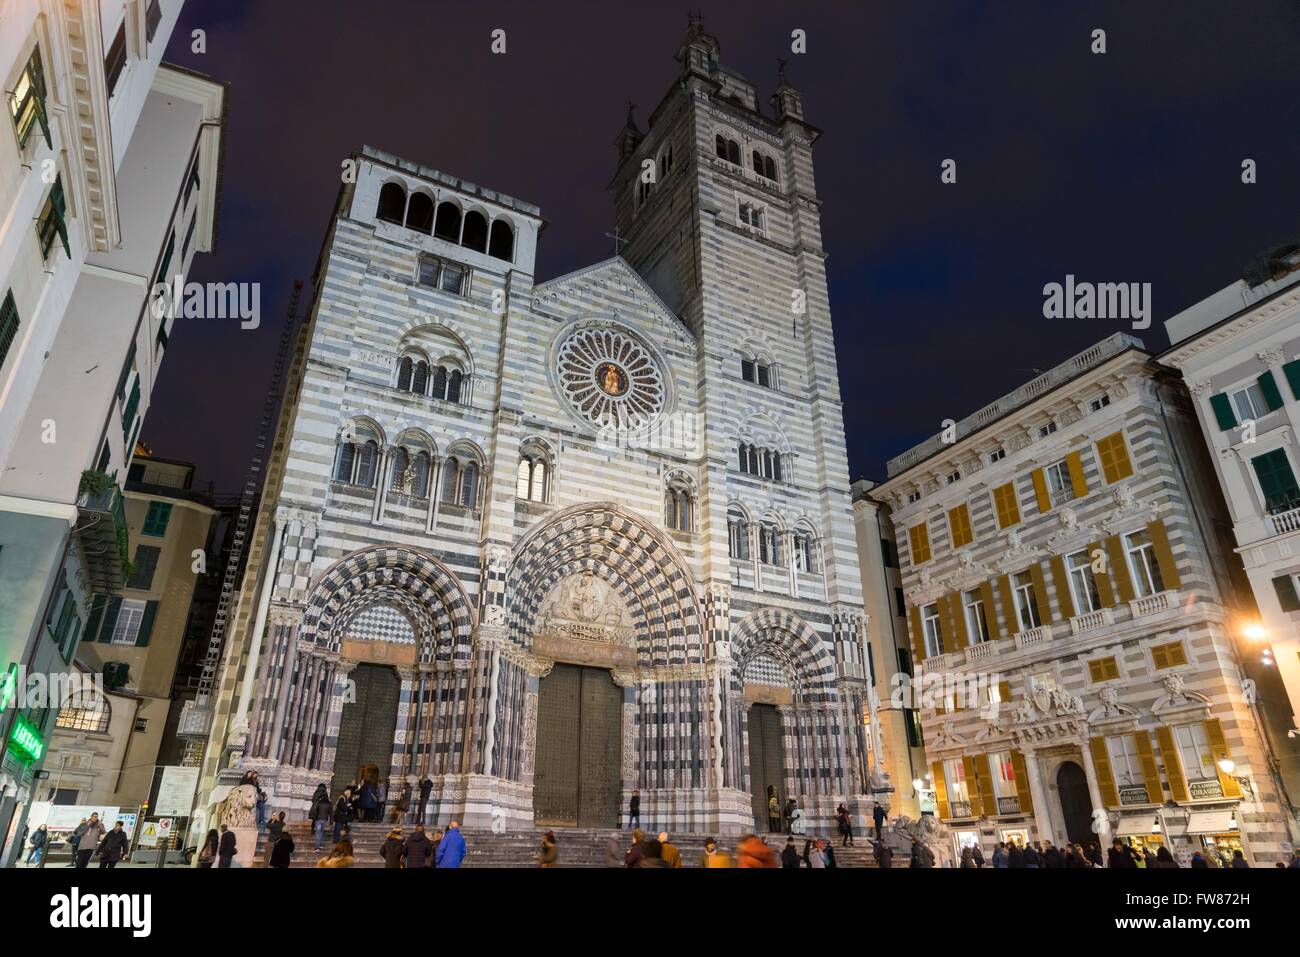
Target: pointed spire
(629, 137)
(631, 120)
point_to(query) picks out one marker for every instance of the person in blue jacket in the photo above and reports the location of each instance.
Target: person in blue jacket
(451, 849)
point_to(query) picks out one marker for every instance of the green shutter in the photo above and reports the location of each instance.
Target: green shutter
(1292, 372)
(110, 617)
(1284, 585)
(146, 624)
(1268, 385)
(1276, 480)
(1223, 411)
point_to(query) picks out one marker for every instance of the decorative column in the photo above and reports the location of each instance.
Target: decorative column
(381, 479)
(1090, 771)
(435, 491)
(1042, 814)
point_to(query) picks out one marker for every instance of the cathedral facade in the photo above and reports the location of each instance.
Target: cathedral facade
(550, 543)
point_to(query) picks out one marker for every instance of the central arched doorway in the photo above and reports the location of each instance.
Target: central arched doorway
(578, 778)
(766, 761)
(367, 726)
(1076, 805)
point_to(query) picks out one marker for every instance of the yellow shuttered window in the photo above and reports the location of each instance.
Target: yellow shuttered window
(1040, 491)
(1008, 508)
(918, 634)
(1064, 600)
(918, 538)
(1118, 565)
(1105, 589)
(1040, 591)
(1023, 791)
(1105, 776)
(940, 790)
(990, 611)
(973, 786)
(1173, 765)
(1150, 773)
(1169, 655)
(1112, 451)
(1103, 669)
(1164, 554)
(1074, 461)
(988, 794)
(1219, 751)
(959, 526)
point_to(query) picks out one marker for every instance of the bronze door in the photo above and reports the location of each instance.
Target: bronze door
(578, 778)
(368, 725)
(766, 760)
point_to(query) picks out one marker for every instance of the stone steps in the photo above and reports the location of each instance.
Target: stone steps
(578, 847)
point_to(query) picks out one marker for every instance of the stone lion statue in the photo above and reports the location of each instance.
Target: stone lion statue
(239, 809)
(928, 829)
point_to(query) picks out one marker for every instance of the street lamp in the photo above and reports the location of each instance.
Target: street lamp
(1254, 631)
(1227, 765)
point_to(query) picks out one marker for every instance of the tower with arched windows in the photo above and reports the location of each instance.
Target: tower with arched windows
(551, 542)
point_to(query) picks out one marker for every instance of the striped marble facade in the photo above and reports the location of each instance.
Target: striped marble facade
(456, 595)
(1055, 709)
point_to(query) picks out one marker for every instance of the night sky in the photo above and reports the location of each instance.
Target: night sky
(1122, 167)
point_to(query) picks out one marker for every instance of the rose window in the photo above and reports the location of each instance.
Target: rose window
(610, 379)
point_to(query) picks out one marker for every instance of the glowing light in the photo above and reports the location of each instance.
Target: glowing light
(1254, 631)
(1227, 765)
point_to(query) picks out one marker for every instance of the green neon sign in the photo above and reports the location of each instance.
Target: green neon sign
(26, 740)
(8, 686)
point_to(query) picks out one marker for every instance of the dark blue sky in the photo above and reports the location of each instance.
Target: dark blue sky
(1123, 167)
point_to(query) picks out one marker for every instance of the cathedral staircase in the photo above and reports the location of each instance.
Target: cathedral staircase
(578, 847)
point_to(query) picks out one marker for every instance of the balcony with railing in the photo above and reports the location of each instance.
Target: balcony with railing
(1154, 604)
(1033, 636)
(1285, 521)
(1091, 621)
(101, 532)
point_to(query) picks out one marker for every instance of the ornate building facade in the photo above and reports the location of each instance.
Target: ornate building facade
(550, 543)
(1076, 618)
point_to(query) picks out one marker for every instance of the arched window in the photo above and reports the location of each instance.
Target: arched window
(404, 374)
(85, 711)
(733, 152)
(447, 224)
(720, 145)
(737, 534)
(343, 462)
(533, 480)
(453, 385)
(420, 486)
(419, 213)
(367, 461)
(474, 234)
(392, 203)
(400, 461)
(769, 544)
(666, 160)
(678, 508)
(765, 463)
(769, 168)
(502, 243)
(420, 380)
(776, 466)
(758, 162)
(460, 481)
(440, 382)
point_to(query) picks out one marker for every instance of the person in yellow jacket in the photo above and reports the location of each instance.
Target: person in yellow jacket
(712, 857)
(672, 857)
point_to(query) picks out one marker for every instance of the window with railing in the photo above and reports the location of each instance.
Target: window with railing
(1143, 567)
(1027, 612)
(1083, 583)
(932, 630)
(27, 102)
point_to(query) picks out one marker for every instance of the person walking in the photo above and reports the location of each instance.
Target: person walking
(1094, 854)
(393, 849)
(1000, 857)
(274, 828)
(967, 858)
(114, 847)
(713, 856)
(634, 809)
(633, 855)
(845, 826)
(1239, 860)
(1015, 855)
(426, 788)
(208, 855)
(752, 851)
(672, 857)
(773, 811)
(614, 850)
(39, 837)
(828, 853)
(419, 849)
(342, 813)
(1052, 856)
(787, 815)
(1118, 857)
(790, 856)
(878, 816)
(651, 853)
(1033, 859)
(74, 842)
(978, 854)
(226, 848)
(922, 856)
(322, 812)
(451, 849)
(90, 838)
(550, 853)
(1164, 859)
(282, 852)
(368, 801)
(815, 856)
